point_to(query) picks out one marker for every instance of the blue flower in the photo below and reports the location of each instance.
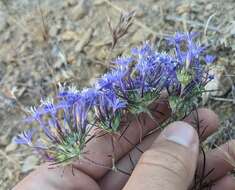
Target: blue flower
(143, 50)
(123, 62)
(47, 107)
(64, 124)
(109, 110)
(25, 137)
(68, 96)
(136, 81)
(209, 59)
(107, 81)
(89, 96)
(114, 103)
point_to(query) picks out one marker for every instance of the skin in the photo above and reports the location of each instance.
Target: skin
(165, 164)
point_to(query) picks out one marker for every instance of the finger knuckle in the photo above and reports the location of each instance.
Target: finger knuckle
(166, 161)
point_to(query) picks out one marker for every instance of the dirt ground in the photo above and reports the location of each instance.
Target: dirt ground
(50, 41)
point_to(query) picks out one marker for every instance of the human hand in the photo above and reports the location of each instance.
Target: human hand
(169, 161)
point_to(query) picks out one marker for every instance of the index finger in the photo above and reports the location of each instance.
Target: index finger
(98, 161)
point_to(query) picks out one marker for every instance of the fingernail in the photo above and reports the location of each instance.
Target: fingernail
(180, 133)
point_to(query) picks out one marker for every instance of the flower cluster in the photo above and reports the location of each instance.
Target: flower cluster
(136, 81)
(65, 130)
(191, 74)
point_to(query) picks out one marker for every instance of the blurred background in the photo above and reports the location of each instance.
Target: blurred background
(44, 42)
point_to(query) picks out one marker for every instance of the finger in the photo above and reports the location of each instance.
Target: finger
(127, 165)
(97, 161)
(226, 183)
(209, 124)
(205, 121)
(51, 178)
(170, 162)
(56, 179)
(218, 162)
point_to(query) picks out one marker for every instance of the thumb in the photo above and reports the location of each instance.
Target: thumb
(170, 162)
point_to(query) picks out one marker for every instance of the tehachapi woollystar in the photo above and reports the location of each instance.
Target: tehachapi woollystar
(136, 81)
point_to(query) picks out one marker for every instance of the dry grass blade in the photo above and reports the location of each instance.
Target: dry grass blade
(222, 99)
(207, 23)
(125, 21)
(137, 22)
(117, 32)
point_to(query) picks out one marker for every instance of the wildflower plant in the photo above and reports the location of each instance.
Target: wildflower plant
(65, 130)
(136, 81)
(108, 110)
(191, 73)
